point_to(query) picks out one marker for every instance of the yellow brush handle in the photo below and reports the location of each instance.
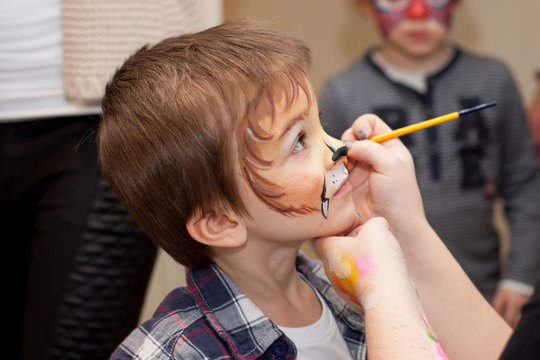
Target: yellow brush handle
(414, 127)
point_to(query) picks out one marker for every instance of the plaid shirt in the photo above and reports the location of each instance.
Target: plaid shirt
(212, 319)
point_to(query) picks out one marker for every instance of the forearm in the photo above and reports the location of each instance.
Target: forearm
(397, 329)
(368, 270)
(465, 322)
(385, 185)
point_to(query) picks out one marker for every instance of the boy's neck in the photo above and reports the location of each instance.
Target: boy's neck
(421, 64)
(270, 280)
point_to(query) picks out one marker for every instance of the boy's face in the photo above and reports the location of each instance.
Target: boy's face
(419, 27)
(295, 178)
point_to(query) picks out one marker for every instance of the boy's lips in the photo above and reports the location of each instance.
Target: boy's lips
(345, 187)
(419, 35)
(340, 176)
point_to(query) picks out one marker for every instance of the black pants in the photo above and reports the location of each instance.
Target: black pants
(78, 266)
(523, 344)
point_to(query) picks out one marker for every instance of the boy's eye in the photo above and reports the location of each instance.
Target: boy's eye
(299, 144)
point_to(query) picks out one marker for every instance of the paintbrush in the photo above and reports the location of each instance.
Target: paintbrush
(431, 122)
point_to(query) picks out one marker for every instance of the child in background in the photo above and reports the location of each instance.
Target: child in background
(461, 166)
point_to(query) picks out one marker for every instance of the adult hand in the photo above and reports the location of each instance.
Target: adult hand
(383, 176)
(368, 271)
(508, 304)
(366, 264)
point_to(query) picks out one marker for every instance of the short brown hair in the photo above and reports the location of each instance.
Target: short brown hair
(167, 139)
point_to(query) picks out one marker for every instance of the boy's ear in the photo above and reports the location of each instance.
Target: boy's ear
(223, 230)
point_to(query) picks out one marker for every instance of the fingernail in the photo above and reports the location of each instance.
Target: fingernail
(362, 134)
(348, 143)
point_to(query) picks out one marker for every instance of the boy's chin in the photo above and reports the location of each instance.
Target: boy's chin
(351, 228)
(348, 226)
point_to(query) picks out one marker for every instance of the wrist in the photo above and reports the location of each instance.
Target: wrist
(390, 291)
(412, 230)
(389, 281)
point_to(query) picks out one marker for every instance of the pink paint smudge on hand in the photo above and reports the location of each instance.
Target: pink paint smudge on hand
(364, 264)
(439, 352)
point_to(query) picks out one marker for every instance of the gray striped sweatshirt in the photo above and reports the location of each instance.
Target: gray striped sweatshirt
(462, 165)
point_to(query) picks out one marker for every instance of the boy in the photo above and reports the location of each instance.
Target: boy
(461, 166)
(213, 142)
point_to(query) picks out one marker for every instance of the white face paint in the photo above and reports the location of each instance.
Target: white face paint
(290, 176)
(338, 176)
(334, 179)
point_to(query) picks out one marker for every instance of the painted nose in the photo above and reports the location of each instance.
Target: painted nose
(417, 10)
(338, 154)
(342, 151)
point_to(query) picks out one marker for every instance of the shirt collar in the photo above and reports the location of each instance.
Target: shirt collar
(233, 316)
(241, 324)
(314, 272)
(369, 58)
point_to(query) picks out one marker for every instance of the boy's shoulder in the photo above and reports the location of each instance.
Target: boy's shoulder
(212, 318)
(363, 70)
(476, 61)
(351, 81)
(358, 69)
(160, 336)
(481, 73)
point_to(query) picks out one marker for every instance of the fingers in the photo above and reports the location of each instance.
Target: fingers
(374, 227)
(512, 315)
(509, 304)
(364, 127)
(376, 156)
(378, 224)
(509, 312)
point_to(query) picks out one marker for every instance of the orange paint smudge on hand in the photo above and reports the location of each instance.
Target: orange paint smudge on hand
(344, 274)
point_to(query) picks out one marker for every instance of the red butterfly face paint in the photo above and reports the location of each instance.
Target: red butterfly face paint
(390, 13)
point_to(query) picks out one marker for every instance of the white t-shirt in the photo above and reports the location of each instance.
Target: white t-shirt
(416, 80)
(320, 340)
(413, 79)
(31, 62)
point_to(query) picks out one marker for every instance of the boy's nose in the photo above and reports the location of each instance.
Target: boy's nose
(342, 151)
(417, 9)
(336, 153)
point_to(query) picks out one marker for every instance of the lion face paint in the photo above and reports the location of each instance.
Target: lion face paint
(285, 156)
(338, 175)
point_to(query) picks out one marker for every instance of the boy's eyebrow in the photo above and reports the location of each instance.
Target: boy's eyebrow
(292, 122)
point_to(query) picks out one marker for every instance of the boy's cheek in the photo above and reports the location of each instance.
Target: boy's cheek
(300, 188)
(388, 21)
(443, 15)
